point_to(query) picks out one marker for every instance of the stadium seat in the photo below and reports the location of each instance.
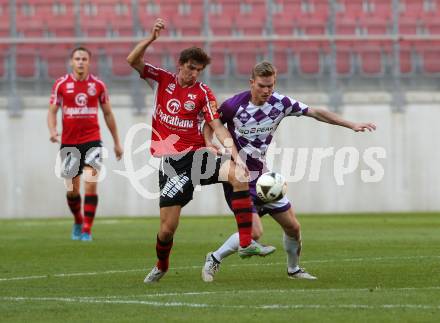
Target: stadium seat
(251, 26)
(30, 18)
(4, 19)
(432, 25)
(187, 25)
(345, 26)
(219, 61)
(406, 64)
(310, 57)
(250, 19)
(381, 10)
(371, 58)
(376, 26)
(26, 60)
(246, 55)
(408, 26)
(3, 61)
(349, 9)
(61, 25)
(283, 19)
(344, 59)
(411, 8)
(309, 62)
(220, 26)
(282, 56)
(429, 53)
(55, 58)
(118, 60)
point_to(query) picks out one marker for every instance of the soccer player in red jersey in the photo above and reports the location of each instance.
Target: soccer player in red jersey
(79, 95)
(182, 104)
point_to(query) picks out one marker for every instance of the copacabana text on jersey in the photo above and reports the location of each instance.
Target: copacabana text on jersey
(175, 120)
(80, 111)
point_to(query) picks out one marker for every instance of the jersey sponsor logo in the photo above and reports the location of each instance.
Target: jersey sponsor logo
(175, 121)
(70, 87)
(81, 99)
(80, 111)
(257, 130)
(173, 106)
(91, 90)
(192, 96)
(189, 105)
(170, 88)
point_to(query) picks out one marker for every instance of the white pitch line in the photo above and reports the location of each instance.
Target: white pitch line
(229, 265)
(23, 278)
(260, 291)
(204, 305)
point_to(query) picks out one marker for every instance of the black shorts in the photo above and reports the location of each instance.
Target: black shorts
(75, 157)
(179, 174)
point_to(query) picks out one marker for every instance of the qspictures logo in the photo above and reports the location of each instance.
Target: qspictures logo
(296, 164)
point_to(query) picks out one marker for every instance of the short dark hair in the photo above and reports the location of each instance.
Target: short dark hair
(80, 48)
(263, 69)
(195, 54)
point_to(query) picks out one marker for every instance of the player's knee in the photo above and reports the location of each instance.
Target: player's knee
(166, 234)
(238, 184)
(293, 230)
(72, 194)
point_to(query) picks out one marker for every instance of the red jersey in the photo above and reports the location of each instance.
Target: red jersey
(179, 113)
(79, 101)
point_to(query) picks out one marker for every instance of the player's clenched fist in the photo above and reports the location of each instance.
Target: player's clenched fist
(157, 27)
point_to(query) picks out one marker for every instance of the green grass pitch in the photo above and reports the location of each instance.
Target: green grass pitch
(370, 268)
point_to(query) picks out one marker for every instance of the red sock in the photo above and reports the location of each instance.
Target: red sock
(90, 204)
(75, 207)
(242, 206)
(163, 250)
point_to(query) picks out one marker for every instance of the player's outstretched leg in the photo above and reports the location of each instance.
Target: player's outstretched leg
(154, 275)
(211, 267)
(255, 249)
(300, 274)
(292, 244)
(163, 250)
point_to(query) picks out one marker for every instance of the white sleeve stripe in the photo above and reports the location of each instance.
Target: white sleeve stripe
(59, 84)
(208, 104)
(100, 82)
(157, 68)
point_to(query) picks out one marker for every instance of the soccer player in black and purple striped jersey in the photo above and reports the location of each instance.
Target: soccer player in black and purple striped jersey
(252, 117)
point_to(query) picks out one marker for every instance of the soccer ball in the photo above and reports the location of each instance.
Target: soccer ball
(271, 187)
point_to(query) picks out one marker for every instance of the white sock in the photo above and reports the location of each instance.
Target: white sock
(293, 250)
(228, 247)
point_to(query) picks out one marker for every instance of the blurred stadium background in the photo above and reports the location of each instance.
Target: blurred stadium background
(370, 60)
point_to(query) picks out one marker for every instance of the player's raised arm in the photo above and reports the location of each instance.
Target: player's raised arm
(135, 58)
(332, 118)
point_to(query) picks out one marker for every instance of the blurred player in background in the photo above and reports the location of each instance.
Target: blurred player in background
(181, 105)
(252, 118)
(79, 95)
